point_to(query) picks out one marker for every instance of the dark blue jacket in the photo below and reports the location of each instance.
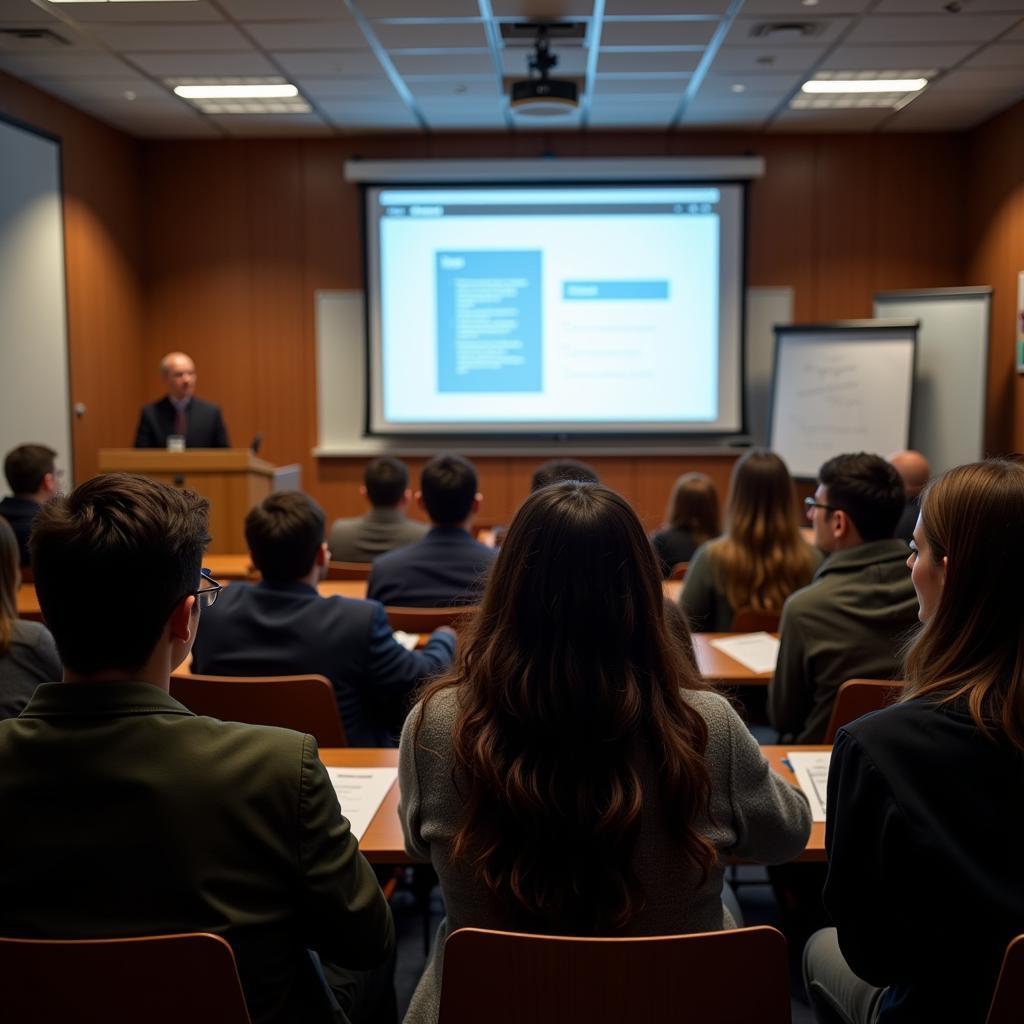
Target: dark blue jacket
(205, 426)
(288, 629)
(20, 512)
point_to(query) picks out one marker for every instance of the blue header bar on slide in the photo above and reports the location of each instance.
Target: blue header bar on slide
(554, 197)
(615, 290)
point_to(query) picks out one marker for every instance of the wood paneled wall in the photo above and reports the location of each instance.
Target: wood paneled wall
(995, 255)
(239, 235)
(103, 258)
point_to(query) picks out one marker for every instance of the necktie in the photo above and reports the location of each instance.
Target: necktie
(180, 422)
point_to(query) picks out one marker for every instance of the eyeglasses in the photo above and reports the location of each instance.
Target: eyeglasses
(207, 595)
(810, 503)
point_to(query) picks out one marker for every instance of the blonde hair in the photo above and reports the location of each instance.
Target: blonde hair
(972, 646)
(693, 506)
(10, 579)
(761, 558)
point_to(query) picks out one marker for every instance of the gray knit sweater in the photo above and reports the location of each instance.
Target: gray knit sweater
(757, 817)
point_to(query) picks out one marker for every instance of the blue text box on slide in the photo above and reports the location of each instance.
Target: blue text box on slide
(489, 321)
(614, 290)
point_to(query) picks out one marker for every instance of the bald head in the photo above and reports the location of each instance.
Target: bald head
(179, 374)
(914, 469)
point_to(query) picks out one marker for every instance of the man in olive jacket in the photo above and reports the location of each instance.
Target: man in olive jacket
(852, 619)
(125, 814)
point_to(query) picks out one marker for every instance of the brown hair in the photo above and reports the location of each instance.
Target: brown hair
(693, 506)
(973, 644)
(26, 465)
(10, 579)
(568, 677)
(762, 558)
(284, 532)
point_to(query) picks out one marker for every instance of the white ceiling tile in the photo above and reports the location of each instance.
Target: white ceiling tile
(733, 59)
(432, 34)
(657, 33)
(341, 63)
(755, 87)
(941, 7)
(66, 65)
(468, 86)
(991, 80)
(960, 28)
(165, 127)
(458, 62)
(242, 126)
(744, 33)
(109, 89)
(282, 10)
(153, 106)
(725, 117)
(186, 65)
(572, 61)
(133, 13)
(640, 8)
(861, 119)
(554, 10)
(609, 114)
(1016, 36)
(787, 8)
(893, 58)
(307, 35)
(999, 55)
(658, 108)
(625, 63)
(663, 85)
(933, 111)
(736, 108)
(414, 8)
(14, 12)
(346, 88)
(172, 38)
(363, 109)
(443, 112)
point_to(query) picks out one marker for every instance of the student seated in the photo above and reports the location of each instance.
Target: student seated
(386, 526)
(690, 520)
(760, 559)
(282, 626)
(28, 656)
(852, 620)
(447, 567)
(556, 471)
(128, 815)
(31, 473)
(924, 827)
(572, 774)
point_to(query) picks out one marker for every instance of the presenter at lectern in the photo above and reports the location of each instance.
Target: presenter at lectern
(179, 414)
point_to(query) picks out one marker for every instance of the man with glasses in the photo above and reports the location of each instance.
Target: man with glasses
(851, 620)
(128, 815)
(33, 478)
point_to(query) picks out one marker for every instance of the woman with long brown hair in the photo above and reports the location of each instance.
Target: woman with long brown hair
(28, 655)
(760, 559)
(691, 519)
(571, 774)
(924, 830)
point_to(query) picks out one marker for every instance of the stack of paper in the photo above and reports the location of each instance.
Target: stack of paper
(361, 791)
(811, 770)
(756, 651)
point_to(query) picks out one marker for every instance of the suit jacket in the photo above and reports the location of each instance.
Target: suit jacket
(447, 567)
(284, 629)
(20, 512)
(205, 426)
(381, 530)
(135, 817)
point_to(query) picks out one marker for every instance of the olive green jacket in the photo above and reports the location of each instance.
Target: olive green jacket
(850, 622)
(125, 814)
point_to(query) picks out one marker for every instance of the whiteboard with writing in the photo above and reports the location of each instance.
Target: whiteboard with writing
(841, 388)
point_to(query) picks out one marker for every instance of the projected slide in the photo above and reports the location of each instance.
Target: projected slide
(568, 308)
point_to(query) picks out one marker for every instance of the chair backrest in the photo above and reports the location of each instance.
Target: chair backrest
(423, 620)
(505, 978)
(679, 571)
(304, 703)
(27, 576)
(349, 570)
(746, 620)
(163, 979)
(1008, 1001)
(857, 697)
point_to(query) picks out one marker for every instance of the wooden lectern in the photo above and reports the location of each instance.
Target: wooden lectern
(231, 479)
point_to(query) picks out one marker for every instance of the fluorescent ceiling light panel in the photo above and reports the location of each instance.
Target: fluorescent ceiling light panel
(853, 90)
(236, 92)
(865, 85)
(240, 95)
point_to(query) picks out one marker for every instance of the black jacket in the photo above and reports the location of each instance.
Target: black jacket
(205, 426)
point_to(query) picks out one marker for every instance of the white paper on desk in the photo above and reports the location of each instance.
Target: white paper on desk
(408, 640)
(811, 770)
(361, 791)
(756, 651)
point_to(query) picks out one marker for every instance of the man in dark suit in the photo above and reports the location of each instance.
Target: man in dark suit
(282, 626)
(31, 473)
(179, 412)
(448, 566)
(915, 472)
(136, 817)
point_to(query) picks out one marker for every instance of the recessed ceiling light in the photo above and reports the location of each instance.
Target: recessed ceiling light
(739, 87)
(809, 3)
(260, 91)
(849, 85)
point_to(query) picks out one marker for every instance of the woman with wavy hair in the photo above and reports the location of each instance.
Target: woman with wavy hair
(28, 655)
(571, 774)
(924, 829)
(760, 559)
(691, 519)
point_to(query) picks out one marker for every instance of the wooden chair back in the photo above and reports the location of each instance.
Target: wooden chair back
(349, 570)
(679, 571)
(425, 620)
(857, 697)
(162, 979)
(746, 620)
(1008, 1000)
(303, 703)
(27, 575)
(505, 978)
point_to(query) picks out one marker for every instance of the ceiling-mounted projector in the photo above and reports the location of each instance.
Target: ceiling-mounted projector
(540, 95)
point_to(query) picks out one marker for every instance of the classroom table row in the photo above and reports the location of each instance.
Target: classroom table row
(382, 842)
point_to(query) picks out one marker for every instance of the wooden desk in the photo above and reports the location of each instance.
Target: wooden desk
(383, 843)
(718, 668)
(229, 567)
(28, 604)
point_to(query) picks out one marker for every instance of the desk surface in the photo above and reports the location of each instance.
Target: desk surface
(717, 667)
(383, 843)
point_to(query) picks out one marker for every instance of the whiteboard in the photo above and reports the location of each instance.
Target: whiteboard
(34, 403)
(845, 387)
(948, 424)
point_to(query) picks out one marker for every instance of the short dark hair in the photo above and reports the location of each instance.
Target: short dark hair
(868, 489)
(449, 485)
(284, 532)
(557, 471)
(111, 560)
(386, 480)
(26, 465)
